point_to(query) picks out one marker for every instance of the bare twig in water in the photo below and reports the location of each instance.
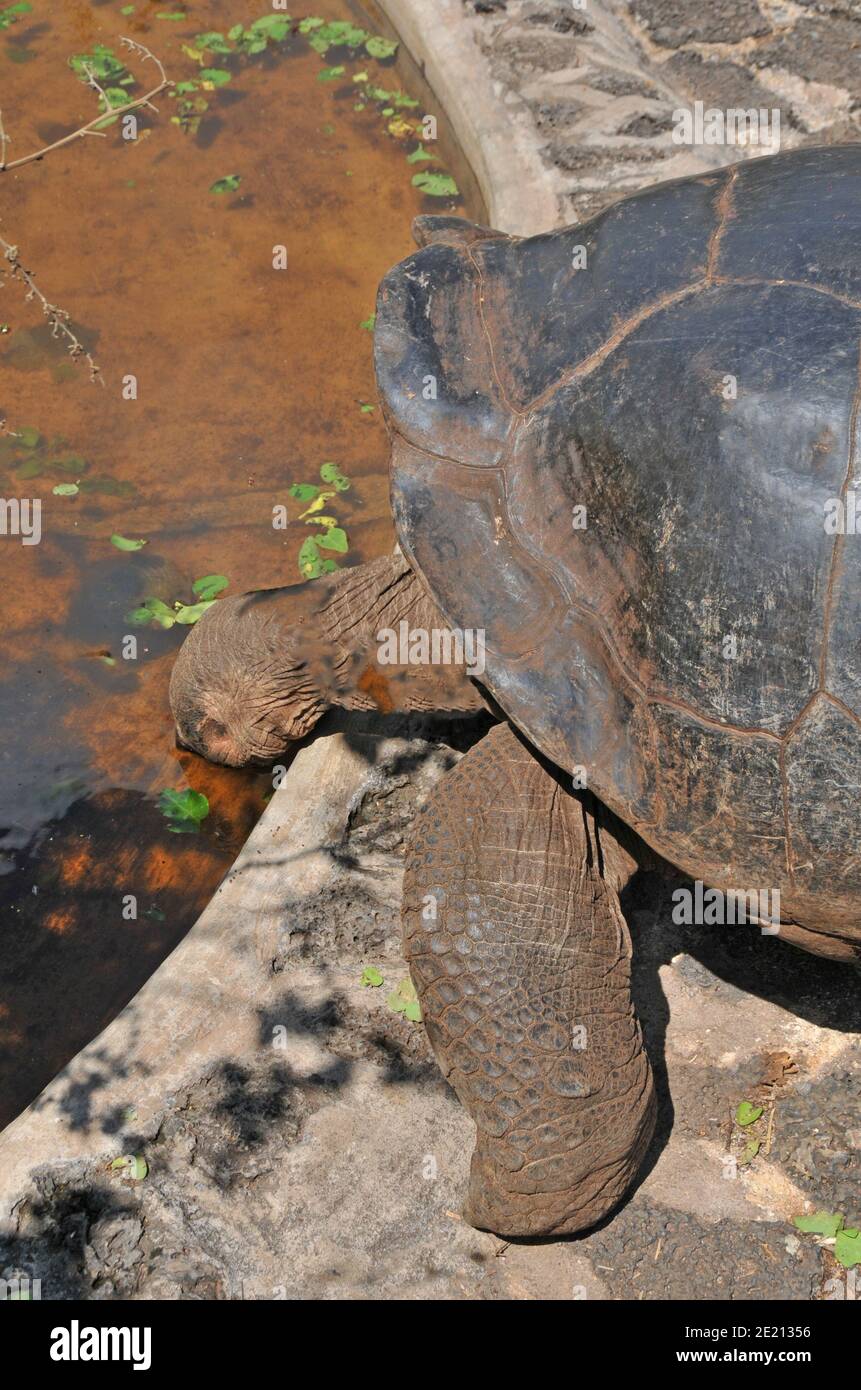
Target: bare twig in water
(4, 141)
(58, 318)
(111, 111)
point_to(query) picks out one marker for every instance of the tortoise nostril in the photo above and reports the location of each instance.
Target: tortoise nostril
(211, 729)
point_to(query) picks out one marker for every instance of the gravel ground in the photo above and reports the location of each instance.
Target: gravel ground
(331, 1159)
(602, 82)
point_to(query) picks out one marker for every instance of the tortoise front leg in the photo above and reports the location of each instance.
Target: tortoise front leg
(521, 958)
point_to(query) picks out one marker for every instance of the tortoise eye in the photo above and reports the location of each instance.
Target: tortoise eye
(210, 728)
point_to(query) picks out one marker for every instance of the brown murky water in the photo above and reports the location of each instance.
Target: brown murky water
(249, 378)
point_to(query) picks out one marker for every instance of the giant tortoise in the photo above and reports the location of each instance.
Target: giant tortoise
(624, 453)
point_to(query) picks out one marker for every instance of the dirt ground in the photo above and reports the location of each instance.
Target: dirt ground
(331, 1159)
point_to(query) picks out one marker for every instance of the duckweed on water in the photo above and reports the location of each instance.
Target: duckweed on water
(111, 73)
(229, 184)
(155, 610)
(331, 537)
(210, 586)
(217, 53)
(29, 454)
(183, 810)
(435, 185)
(122, 542)
(13, 13)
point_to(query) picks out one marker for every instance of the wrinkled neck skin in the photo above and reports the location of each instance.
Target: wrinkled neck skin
(258, 671)
(361, 624)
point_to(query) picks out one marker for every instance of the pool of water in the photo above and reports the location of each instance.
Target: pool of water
(247, 378)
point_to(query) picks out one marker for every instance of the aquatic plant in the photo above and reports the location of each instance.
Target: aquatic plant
(210, 50)
(183, 810)
(331, 537)
(12, 13)
(213, 50)
(10, 263)
(391, 104)
(155, 610)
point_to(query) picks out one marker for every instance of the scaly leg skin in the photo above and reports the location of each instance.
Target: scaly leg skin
(259, 670)
(521, 958)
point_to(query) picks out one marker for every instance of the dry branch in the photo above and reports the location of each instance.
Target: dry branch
(91, 126)
(58, 318)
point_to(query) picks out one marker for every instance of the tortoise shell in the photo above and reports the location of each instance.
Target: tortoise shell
(616, 450)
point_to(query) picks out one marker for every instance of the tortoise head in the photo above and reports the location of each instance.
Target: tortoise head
(241, 690)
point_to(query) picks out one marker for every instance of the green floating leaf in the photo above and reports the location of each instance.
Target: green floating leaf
(340, 33)
(121, 542)
(305, 492)
(310, 560)
(381, 48)
(209, 585)
(184, 810)
(821, 1223)
(369, 323)
(330, 74)
(268, 29)
(152, 610)
(274, 26)
(334, 539)
(435, 185)
(419, 156)
(371, 977)
(330, 473)
(747, 1114)
(217, 76)
(12, 12)
(847, 1248)
(102, 63)
(750, 1151)
(66, 490)
(188, 613)
(214, 42)
(228, 184)
(28, 437)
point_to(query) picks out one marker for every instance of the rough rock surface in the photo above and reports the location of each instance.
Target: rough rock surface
(329, 1159)
(602, 80)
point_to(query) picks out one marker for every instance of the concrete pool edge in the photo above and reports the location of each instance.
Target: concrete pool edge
(205, 999)
(179, 1021)
(498, 139)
